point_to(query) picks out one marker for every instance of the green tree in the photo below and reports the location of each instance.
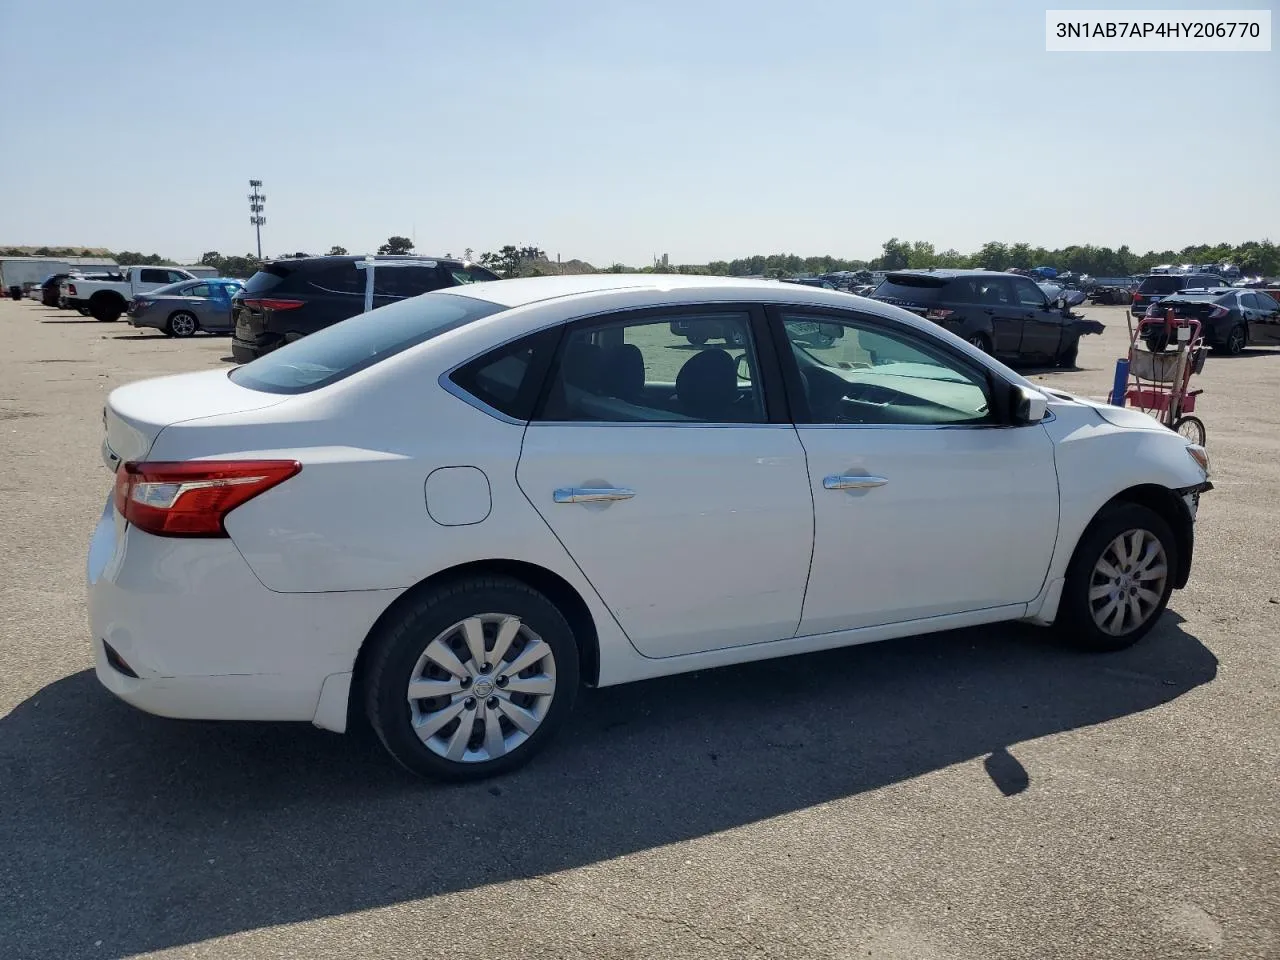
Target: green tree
(396, 245)
(336, 251)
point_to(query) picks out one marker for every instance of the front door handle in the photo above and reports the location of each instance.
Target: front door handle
(592, 494)
(847, 482)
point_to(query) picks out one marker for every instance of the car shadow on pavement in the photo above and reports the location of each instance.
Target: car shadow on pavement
(125, 833)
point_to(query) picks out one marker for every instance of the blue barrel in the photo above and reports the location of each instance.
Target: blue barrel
(1121, 381)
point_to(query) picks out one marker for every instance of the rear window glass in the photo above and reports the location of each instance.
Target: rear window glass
(916, 290)
(352, 345)
(265, 279)
(1160, 285)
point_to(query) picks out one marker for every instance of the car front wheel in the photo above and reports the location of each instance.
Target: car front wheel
(1119, 580)
(471, 678)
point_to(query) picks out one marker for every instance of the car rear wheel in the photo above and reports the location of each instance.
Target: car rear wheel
(1236, 340)
(1119, 580)
(471, 679)
(106, 309)
(182, 324)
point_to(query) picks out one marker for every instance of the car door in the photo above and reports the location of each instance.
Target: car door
(925, 505)
(1042, 326)
(195, 297)
(997, 300)
(680, 494)
(1264, 319)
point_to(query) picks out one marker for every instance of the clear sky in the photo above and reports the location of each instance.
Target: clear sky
(614, 131)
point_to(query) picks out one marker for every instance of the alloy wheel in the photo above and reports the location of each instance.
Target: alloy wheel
(1128, 581)
(481, 688)
(182, 324)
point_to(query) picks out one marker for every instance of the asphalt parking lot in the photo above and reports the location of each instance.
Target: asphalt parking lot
(976, 794)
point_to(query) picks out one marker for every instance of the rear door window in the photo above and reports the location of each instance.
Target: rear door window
(340, 278)
(156, 276)
(400, 282)
(198, 290)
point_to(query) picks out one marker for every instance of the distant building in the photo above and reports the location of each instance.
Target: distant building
(15, 271)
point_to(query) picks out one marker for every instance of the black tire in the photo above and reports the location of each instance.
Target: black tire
(697, 339)
(1237, 339)
(1076, 622)
(980, 341)
(182, 324)
(402, 640)
(1067, 358)
(106, 309)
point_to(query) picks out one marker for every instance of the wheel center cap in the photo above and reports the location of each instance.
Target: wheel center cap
(482, 687)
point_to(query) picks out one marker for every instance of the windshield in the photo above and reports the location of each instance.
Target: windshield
(365, 339)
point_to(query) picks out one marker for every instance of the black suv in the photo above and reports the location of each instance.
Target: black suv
(1002, 314)
(288, 299)
(1157, 285)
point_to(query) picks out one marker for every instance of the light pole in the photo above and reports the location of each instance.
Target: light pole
(256, 201)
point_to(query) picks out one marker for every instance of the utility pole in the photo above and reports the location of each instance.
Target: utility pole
(256, 201)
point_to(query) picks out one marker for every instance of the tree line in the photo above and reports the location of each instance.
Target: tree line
(1255, 257)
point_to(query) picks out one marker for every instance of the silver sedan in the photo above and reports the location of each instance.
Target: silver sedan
(180, 309)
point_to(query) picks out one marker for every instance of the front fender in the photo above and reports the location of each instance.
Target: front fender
(1096, 462)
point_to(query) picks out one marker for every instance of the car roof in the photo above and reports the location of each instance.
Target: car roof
(319, 262)
(526, 290)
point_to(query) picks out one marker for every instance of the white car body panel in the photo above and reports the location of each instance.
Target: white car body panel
(268, 624)
(712, 551)
(966, 520)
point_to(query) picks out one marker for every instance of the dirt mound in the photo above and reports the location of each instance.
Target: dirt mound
(552, 268)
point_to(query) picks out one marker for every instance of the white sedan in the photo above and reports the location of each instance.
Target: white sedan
(447, 514)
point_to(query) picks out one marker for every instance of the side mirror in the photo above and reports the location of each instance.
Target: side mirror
(744, 368)
(1027, 406)
(1061, 302)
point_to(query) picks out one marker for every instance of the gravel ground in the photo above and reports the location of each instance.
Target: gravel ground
(978, 794)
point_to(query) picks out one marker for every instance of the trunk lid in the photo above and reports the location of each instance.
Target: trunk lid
(136, 414)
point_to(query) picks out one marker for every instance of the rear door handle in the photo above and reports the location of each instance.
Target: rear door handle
(592, 494)
(847, 482)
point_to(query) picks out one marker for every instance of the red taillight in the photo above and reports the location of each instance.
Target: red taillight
(1218, 313)
(192, 498)
(269, 303)
(71, 289)
(937, 313)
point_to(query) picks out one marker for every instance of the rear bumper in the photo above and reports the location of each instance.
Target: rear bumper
(205, 639)
(242, 351)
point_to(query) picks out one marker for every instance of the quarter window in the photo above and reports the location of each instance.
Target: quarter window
(673, 369)
(870, 375)
(510, 377)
